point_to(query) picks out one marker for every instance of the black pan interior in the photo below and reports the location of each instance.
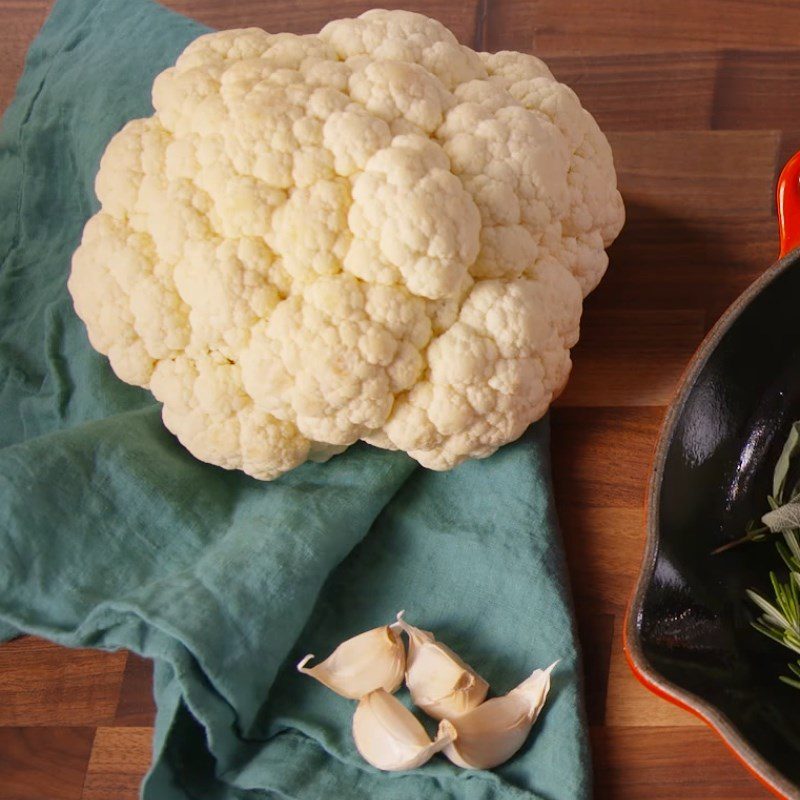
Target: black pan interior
(694, 621)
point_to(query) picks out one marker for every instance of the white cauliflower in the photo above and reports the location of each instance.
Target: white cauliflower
(368, 233)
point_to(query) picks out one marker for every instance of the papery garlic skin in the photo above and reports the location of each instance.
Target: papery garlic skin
(490, 734)
(390, 737)
(441, 684)
(375, 659)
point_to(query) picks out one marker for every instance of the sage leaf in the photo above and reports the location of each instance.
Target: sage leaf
(790, 449)
(783, 518)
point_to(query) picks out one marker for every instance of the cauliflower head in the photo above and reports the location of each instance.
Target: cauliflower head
(369, 233)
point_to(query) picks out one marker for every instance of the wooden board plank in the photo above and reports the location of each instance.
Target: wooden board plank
(19, 21)
(43, 684)
(666, 763)
(596, 633)
(697, 174)
(673, 262)
(604, 551)
(631, 357)
(120, 759)
(586, 27)
(43, 763)
(601, 456)
(757, 90)
(136, 706)
(626, 92)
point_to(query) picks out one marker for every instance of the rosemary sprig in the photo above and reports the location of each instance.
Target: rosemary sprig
(795, 668)
(780, 620)
(752, 533)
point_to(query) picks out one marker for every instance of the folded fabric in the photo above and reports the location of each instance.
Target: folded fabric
(112, 535)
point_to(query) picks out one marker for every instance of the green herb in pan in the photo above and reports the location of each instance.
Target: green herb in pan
(780, 619)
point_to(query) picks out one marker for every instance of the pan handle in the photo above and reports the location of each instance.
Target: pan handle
(788, 199)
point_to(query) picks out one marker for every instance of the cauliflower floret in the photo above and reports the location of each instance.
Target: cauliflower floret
(403, 232)
(369, 233)
(333, 359)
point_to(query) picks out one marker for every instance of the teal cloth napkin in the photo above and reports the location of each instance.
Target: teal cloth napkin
(112, 535)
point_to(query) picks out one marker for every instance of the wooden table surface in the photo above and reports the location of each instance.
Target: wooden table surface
(701, 102)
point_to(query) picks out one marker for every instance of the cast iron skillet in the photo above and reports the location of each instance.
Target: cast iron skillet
(688, 635)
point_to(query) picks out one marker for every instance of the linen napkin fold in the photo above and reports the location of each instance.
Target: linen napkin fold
(112, 535)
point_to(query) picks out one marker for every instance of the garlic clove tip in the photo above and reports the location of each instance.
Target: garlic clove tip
(301, 665)
(397, 625)
(375, 659)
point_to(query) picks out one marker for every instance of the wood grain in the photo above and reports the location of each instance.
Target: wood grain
(603, 455)
(631, 357)
(120, 757)
(757, 90)
(19, 21)
(43, 684)
(697, 174)
(596, 632)
(665, 763)
(604, 549)
(136, 706)
(626, 92)
(679, 263)
(586, 27)
(701, 105)
(44, 763)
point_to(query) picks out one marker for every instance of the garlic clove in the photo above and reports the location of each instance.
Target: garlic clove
(372, 660)
(389, 736)
(441, 684)
(491, 733)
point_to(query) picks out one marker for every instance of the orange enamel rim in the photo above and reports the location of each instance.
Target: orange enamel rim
(788, 203)
(787, 198)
